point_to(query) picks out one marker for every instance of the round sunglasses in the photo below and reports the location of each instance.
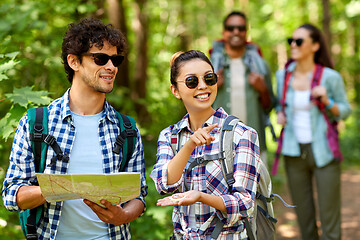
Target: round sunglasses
(298, 41)
(101, 58)
(193, 81)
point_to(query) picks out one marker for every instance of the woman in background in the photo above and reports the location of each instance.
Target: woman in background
(309, 162)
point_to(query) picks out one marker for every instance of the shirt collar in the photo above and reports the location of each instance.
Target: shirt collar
(218, 117)
(65, 111)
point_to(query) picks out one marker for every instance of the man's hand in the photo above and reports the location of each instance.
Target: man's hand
(113, 214)
(257, 81)
(220, 75)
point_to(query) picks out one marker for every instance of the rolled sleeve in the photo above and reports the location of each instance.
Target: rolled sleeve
(21, 170)
(338, 93)
(240, 204)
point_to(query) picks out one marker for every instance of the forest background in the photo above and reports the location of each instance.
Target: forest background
(31, 72)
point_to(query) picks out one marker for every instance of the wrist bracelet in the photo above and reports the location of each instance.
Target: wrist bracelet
(331, 103)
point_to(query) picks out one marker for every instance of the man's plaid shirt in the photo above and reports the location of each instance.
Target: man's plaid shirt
(21, 170)
(208, 178)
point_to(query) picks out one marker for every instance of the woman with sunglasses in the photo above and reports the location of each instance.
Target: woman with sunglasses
(202, 195)
(311, 92)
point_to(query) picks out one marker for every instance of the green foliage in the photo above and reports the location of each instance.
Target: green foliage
(31, 33)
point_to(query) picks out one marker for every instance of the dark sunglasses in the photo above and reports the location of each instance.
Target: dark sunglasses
(101, 58)
(298, 41)
(231, 28)
(193, 81)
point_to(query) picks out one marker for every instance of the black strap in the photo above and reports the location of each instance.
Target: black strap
(249, 231)
(128, 134)
(205, 159)
(50, 140)
(38, 128)
(218, 228)
(31, 225)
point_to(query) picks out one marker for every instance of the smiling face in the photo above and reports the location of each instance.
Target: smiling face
(200, 98)
(93, 77)
(307, 48)
(233, 37)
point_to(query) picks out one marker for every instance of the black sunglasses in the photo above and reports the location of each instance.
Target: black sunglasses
(298, 41)
(101, 58)
(193, 81)
(231, 28)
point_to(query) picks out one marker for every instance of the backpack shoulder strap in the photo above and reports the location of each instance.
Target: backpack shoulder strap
(38, 125)
(227, 163)
(275, 166)
(126, 139)
(226, 146)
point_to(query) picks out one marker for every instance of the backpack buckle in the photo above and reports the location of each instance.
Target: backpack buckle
(31, 236)
(127, 125)
(36, 136)
(120, 140)
(49, 139)
(130, 132)
(230, 182)
(200, 160)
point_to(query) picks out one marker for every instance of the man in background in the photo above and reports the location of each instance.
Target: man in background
(244, 85)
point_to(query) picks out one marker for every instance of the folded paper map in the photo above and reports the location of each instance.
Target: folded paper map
(115, 187)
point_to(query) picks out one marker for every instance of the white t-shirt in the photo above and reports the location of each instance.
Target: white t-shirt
(301, 116)
(238, 96)
(77, 220)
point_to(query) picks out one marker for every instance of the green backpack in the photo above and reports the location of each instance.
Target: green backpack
(40, 139)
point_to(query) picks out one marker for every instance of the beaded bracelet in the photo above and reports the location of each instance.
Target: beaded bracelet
(331, 103)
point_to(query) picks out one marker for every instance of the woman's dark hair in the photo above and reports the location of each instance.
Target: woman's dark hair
(234, 13)
(80, 37)
(322, 56)
(179, 58)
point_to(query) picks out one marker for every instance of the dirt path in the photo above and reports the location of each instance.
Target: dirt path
(287, 228)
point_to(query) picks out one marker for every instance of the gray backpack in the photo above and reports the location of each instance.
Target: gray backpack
(262, 225)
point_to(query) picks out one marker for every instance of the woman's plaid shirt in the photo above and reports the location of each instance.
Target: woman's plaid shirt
(208, 178)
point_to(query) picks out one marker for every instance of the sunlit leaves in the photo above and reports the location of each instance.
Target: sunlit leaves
(26, 96)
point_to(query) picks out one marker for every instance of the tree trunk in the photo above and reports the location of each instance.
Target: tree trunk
(116, 13)
(140, 78)
(326, 22)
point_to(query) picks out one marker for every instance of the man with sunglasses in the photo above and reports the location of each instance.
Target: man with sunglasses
(85, 127)
(244, 85)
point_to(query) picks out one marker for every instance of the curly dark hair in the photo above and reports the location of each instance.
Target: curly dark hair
(80, 37)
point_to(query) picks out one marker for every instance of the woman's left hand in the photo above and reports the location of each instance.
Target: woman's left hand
(321, 93)
(180, 199)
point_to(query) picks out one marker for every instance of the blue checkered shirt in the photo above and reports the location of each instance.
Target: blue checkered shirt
(208, 178)
(21, 170)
